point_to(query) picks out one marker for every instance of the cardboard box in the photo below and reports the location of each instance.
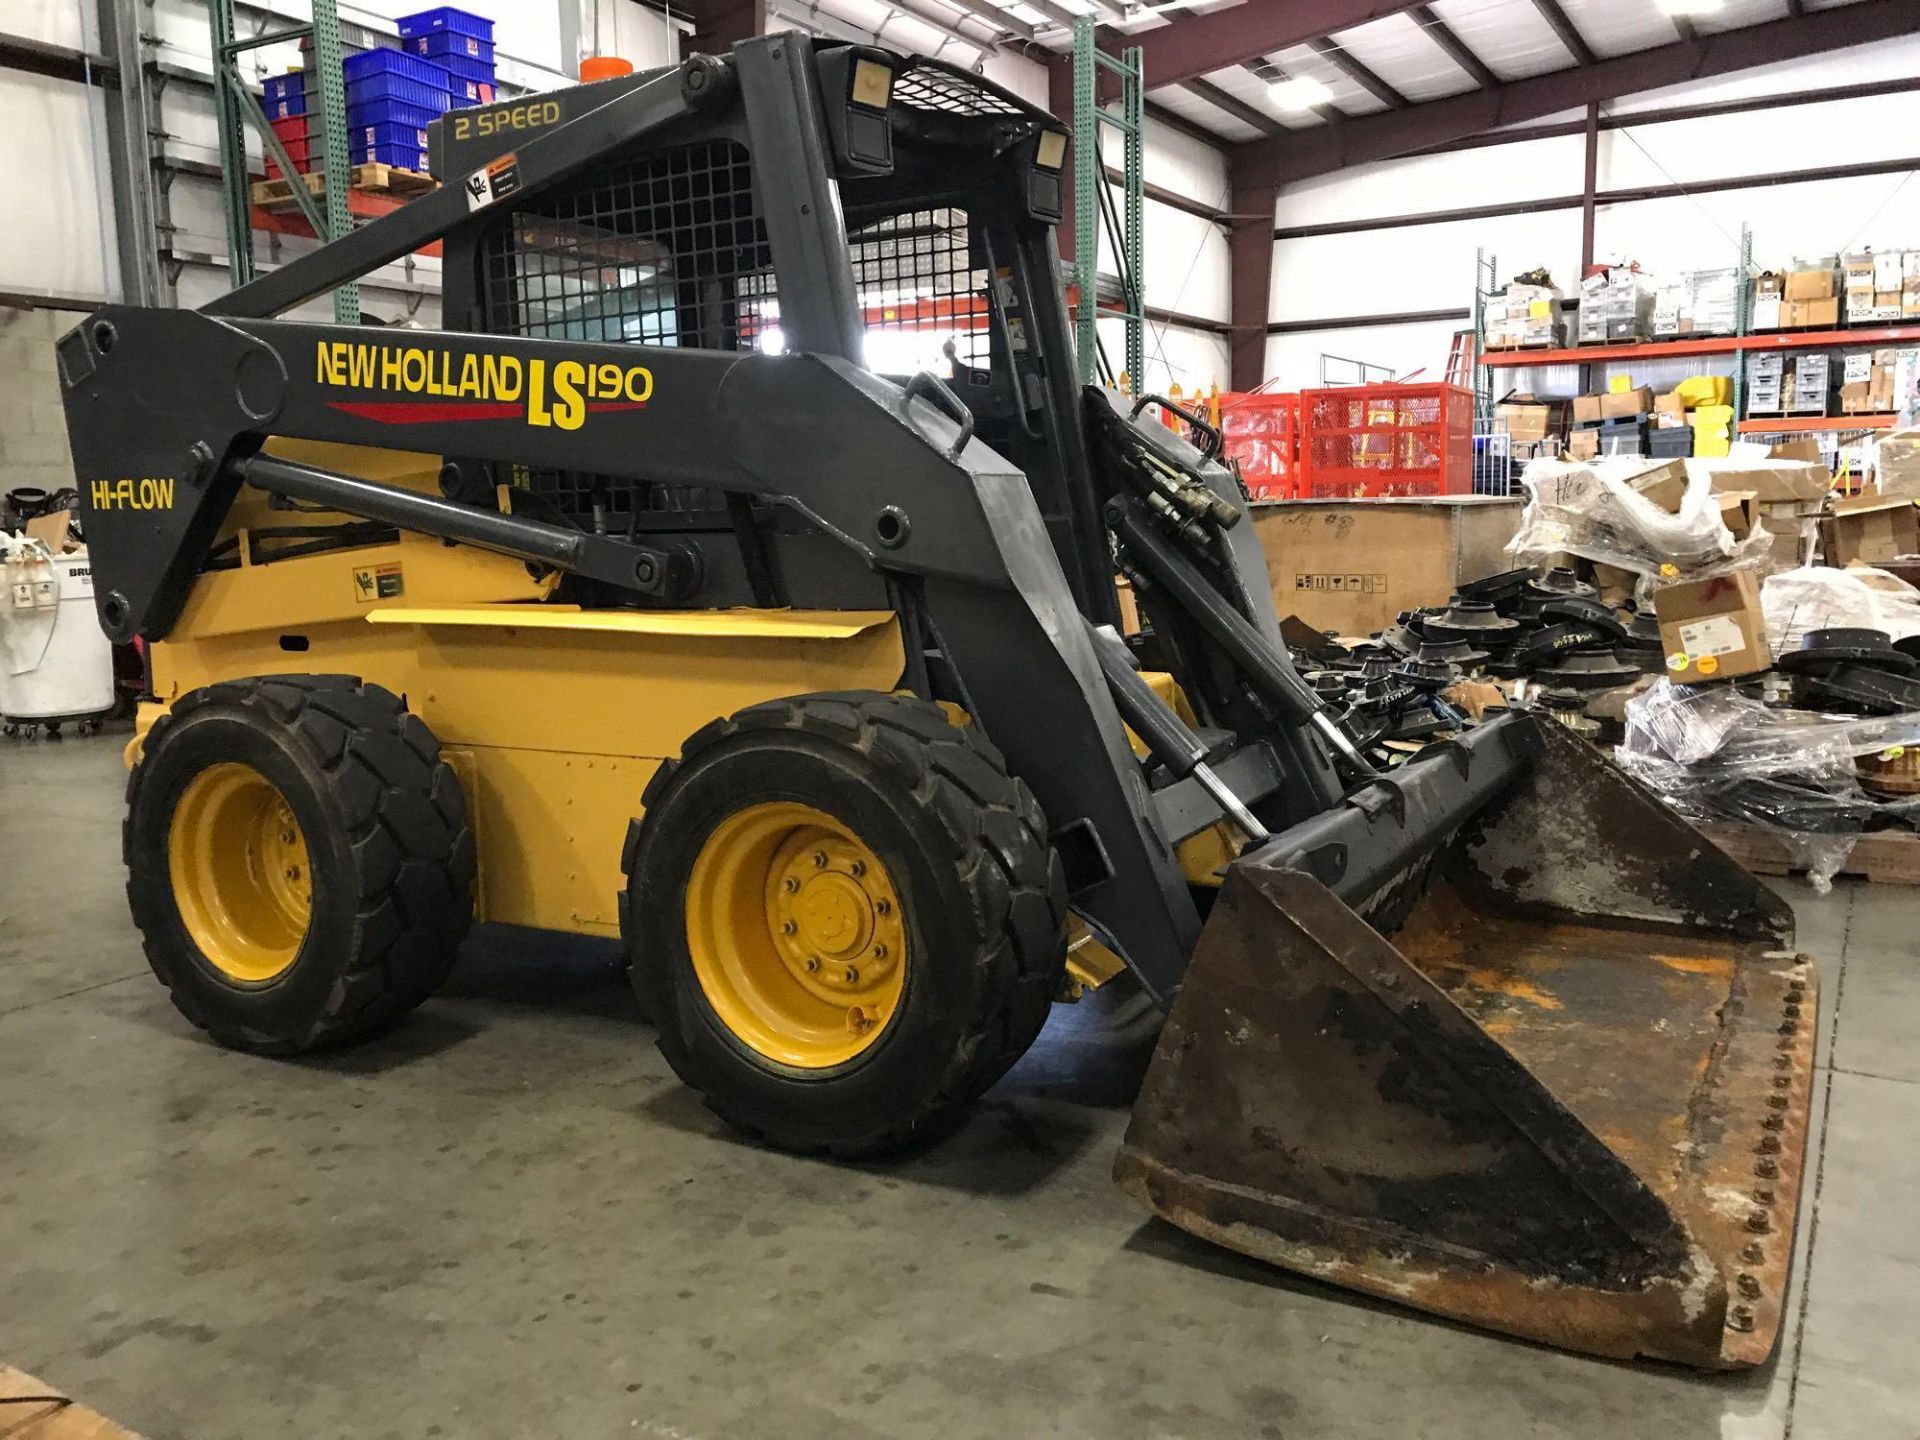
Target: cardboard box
(1821, 314)
(1769, 284)
(1899, 461)
(1583, 444)
(1772, 480)
(1530, 419)
(1622, 404)
(1615, 583)
(31, 1415)
(1737, 511)
(1713, 629)
(1669, 411)
(1871, 528)
(1769, 312)
(1802, 449)
(1794, 543)
(53, 529)
(1586, 409)
(1856, 275)
(1664, 485)
(1351, 566)
(1811, 285)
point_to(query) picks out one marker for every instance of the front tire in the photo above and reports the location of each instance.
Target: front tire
(299, 860)
(845, 918)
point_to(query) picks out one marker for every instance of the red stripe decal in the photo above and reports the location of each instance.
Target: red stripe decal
(409, 412)
(412, 412)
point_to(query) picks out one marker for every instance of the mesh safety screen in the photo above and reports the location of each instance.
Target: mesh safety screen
(923, 297)
(661, 249)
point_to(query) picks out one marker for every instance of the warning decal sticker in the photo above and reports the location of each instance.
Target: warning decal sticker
(497, 181)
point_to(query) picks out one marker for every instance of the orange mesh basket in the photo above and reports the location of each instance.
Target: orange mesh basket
(1371, 441)
(1262, 432)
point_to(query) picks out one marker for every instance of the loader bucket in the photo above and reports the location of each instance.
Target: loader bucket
(1503, 1039)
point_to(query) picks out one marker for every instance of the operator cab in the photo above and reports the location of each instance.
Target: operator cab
(949, 187)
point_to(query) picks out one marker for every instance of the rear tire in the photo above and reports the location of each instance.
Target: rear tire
(981, 902)
(299, 860)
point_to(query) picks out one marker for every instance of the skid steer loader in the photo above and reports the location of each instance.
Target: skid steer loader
(639, 601)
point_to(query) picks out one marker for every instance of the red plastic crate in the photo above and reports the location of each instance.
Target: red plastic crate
(293, 134)
(1369, 441)
(1262, 432)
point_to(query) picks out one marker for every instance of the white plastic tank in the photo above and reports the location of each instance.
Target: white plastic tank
(56, 663)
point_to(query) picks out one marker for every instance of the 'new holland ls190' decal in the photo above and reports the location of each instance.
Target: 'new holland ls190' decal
(476, 387)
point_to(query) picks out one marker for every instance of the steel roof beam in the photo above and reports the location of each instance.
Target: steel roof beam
(1058, 14)
(1234, 106)
(1196, 45)
(994, 15)
(1455, 49)
(1337, 56)
(1566, 31)
(1321, 149)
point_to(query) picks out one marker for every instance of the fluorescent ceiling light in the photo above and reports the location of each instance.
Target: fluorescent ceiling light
(1686, 8)
(1302, 92)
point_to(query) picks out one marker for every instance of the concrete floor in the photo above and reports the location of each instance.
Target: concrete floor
(507, 1219)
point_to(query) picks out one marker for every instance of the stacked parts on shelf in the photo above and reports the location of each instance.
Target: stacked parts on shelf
(445, 62)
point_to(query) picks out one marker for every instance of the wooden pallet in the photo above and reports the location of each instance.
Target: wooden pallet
(1887, 857)
(273, 195)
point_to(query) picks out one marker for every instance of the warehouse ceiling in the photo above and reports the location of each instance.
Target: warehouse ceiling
(1313, 85)
(1403, 55)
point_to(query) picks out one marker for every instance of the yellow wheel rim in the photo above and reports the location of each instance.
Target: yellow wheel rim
(796, 935)
(238, 863)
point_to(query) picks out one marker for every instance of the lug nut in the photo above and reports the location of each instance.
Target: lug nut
(1741, 1319)
(1765, 1169)
(819, 859)
(858, 868)
(787, 927)
(1775, 1122)
(1759, 1222)
(852, 975)
(790, 885)
(286, 837)
(879, 952)
(1763, 1196)
(1752, 1252)
(1779, 1102)
(1749, 1287)
(1769, 1144)
(813, 963)
(883, 906)
(293, 872)
(1781, 1082)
